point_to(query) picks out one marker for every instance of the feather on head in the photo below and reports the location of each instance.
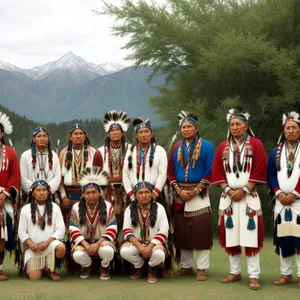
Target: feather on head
(114, 118)
(5, 123)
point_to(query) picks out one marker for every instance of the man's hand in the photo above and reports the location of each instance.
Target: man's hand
(32, 246)
(66, 202)
(237, 195)
(42, 246)
(92, 249)
(282, 197)
(291, 198)
(148, 251)
(186, 195)
(2, 200)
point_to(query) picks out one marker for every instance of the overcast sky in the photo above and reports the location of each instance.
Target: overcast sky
(34, 32)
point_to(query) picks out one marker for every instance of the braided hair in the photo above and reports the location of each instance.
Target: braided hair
(48, 211)
(134, 213)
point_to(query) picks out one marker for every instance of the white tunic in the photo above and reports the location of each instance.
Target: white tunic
(30, 175)
(156, 175)
(28, 230)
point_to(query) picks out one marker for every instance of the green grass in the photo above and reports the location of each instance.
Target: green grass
(121, 287)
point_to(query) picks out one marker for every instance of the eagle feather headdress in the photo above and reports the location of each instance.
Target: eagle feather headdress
(93, 175)
(114, 117)
(286, 117)
(5, 122)
(290, 116)
(237, 113)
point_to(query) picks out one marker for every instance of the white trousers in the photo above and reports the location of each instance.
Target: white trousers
(253, 265)
(106, 254)
(129, 252)
(187, 259)
(286, 265)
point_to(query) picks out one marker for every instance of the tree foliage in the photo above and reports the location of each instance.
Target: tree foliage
(217, 54)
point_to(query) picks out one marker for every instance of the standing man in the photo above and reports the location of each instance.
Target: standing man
(144, 161)
(73, 160)
(9, 191)
(40, 163)
(240, 164)
(110, 157)
(284, 180)
(93, 225)
(189, 173)
(41, 227)
(145, 229)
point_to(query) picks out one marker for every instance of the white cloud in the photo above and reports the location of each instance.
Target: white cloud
(34, 32)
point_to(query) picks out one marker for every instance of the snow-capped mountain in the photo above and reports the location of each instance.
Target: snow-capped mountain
(9, 67)
(70, 62)
(112, 67)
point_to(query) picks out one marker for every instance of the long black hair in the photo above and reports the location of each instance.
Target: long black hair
(48, 211)
(82, 211)
(135, 217)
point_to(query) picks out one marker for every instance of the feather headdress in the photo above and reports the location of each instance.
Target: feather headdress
(139, 123)
(90, 177)
(286, 117)
(5, 123)
(186, 116)
(114, 118)
(290, 116)
(237, 113)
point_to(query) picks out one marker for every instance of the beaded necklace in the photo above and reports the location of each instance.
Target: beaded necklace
(141, 160)
(239, 164)
(92, 221)
(193, 154)
(144, 222)
(77, 162)
(3, 158)
(291, 155)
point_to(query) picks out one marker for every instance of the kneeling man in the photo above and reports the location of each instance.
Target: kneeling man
(41, 227)
(93, 225)
(145, 230)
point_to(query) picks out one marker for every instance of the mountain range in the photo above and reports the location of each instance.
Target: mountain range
(72, 88)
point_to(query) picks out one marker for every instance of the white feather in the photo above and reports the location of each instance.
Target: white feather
(122, 118)
(93, 175)
(291, 115)
(4, 120)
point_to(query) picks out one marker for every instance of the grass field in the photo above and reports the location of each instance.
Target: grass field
(121, 287)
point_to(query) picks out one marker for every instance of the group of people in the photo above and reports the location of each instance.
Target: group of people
(132, 200)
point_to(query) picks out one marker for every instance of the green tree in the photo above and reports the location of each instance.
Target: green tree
(217, 54)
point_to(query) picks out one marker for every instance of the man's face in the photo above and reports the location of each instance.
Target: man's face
(188, 130)
(77, 138)
(41, 139)
(40, 193)
(115, 134)
(291, 131)
(144, 135)
(238, 128)
(143, 196)
(91, 196)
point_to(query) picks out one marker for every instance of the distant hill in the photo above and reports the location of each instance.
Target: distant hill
(71, 88)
